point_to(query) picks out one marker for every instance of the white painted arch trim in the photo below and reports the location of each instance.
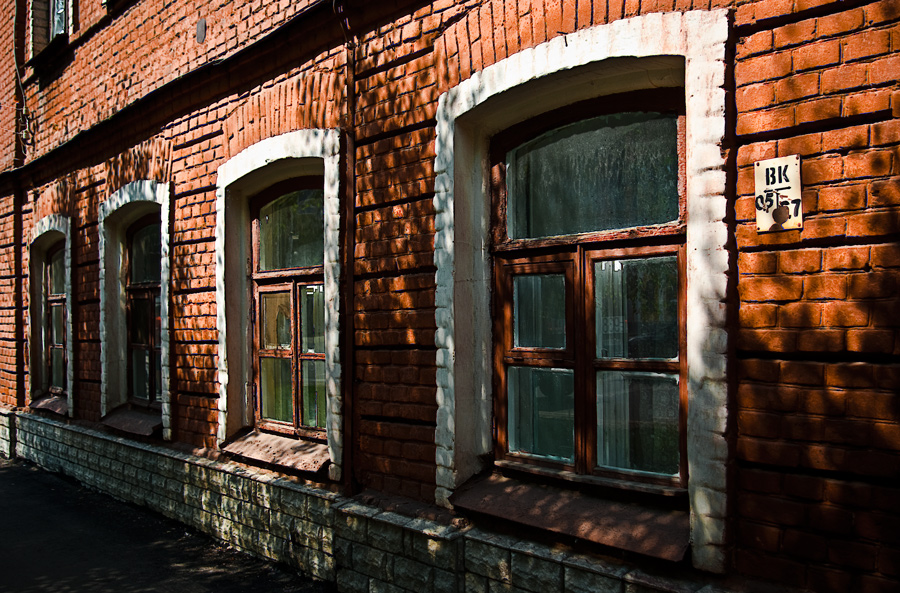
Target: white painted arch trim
(45, 233)
(301, 152)
(579, 68)
(112, 312)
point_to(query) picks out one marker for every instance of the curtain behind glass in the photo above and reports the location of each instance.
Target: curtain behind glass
(292, 231)
(608, 172)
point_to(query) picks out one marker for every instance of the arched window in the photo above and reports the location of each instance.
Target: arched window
(142, 292)
(50, 306)
(289, 307)
(588, 239)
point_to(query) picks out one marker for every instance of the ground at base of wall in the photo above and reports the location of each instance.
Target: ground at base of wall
(130, 549)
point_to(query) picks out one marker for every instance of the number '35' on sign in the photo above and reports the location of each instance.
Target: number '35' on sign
(778, 203)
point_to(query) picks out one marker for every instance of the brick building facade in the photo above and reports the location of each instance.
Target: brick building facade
(270, 268)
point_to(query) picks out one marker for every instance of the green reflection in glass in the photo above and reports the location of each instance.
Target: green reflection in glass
(541, 407)
(140, 373)
(57, 275)
(292, 231)
(312, 324)
(636, 304)
(637, 421)
(145, 255)
(539, 311)
(276, 389)
(57, 368)
(276, 318)
(314, 400)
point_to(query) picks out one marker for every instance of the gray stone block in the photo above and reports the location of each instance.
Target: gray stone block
(583, 581)
(488, 560)
(343, 552)
(536, 574)
(441, 553)
(373, 562)
(413, 575)
(320, 565)
(321, 510)
(350, 581)
(476, 583)
(385, 535)
(376, 586)
(446, 581)
(350, 527)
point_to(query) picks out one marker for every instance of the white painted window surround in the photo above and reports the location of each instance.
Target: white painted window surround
(294, 154)
(48, 231)
(671, 49)
(116, 214)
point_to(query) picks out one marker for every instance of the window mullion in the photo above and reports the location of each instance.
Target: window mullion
(297, 380)
(583, 391)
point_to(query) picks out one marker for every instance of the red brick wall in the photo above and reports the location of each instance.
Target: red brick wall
(818, 416)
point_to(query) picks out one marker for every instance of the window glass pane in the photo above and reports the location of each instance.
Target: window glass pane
(541, 407)
(314, 404)
(636, 303)
(57, 274)
(145, 255)
(58, 17)
(140, 373)
(608, 172)
(539, 311)
(57, 324)
(312, 323)
(637, 421)
(142, 320)
(292, 231)
(276, 389)
(276, 320)
(57, 368)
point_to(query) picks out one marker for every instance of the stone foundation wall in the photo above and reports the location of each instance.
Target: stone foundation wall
(7, 433)
(318, 532)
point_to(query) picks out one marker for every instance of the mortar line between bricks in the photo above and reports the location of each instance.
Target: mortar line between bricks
(796, 17)
(821, 126)
(394, 273)
(399, 202)
(426, 123)
(825, 243)
(404, 59)
(203, 138)
(194, 192)
(819, 357)
(821, 473)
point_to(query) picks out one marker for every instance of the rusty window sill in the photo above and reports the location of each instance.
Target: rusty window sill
(296, 454)
(634, 527)
(56, 403)
(140, 421)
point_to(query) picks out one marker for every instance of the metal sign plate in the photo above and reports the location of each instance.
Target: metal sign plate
(778, 203)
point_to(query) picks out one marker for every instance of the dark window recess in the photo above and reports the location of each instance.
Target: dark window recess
(289, 308)
(55, 315)
(49, 29)
(588, 248)
(143, 311)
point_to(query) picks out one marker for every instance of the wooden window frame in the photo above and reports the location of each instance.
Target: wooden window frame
(141, 291)
(575, 255)
(282, 280)
(51, 300)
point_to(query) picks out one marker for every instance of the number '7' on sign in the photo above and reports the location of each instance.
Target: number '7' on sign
(778, 203)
